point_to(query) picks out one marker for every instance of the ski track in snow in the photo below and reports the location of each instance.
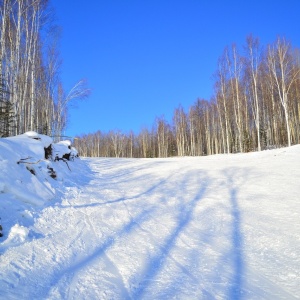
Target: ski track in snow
(180, 228)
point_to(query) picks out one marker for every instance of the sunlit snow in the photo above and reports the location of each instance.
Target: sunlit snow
(216, 227)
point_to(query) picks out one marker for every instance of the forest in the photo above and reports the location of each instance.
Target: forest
(255, 106)
(32, 97)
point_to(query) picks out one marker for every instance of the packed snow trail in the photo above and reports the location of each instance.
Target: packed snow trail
(219, 227)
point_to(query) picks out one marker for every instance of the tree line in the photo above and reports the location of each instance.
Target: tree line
(255, 106)
(31, 95)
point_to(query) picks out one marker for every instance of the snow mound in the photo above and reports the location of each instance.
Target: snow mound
(44, 139)
(18, 234)
(66, 143)
(28, 181)
(62, 148)
(18, 156)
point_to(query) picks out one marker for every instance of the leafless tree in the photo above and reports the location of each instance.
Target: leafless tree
(282, 67)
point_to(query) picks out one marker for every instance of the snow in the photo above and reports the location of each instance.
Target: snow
(216, 227)
(67, 143)
(74, 152)
(15, 178)
(61, 148)
(45, 140)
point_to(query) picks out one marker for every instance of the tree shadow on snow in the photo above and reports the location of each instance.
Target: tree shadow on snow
(70, 271)
(232, 258)
(235, 178)
(137, 196)
(156, 263)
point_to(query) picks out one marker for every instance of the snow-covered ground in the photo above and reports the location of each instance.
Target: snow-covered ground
(217, 227)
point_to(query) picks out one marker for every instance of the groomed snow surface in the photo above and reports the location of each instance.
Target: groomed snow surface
(216, 227)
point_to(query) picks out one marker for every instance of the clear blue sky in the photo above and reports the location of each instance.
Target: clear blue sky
(142, 58)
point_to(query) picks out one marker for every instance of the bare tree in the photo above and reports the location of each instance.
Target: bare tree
(118, 144)
(222, 98)
(253, 61)
(235, 66)
(284, 74)
(162, 137)
(79, 91)
(181, 131)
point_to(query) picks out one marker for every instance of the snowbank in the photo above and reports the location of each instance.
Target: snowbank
(28, 181)
(19, 155)
(45, 140)
(25, 173)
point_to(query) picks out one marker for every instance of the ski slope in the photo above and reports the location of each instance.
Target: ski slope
(216, 227)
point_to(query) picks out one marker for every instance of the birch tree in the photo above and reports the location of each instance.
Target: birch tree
(181, 130)
(221, 88)
(162, 137)
(284, 74)
(253, 61)
(235, 68)
(117, 139)
(79, 91)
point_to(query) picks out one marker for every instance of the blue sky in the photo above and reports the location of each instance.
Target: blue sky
(142, 58)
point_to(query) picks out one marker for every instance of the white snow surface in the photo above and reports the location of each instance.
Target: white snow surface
(17, 155)
(60, 149)
(216, 227)
(45, 140)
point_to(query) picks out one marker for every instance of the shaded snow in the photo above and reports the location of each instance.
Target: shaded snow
(217, 227)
